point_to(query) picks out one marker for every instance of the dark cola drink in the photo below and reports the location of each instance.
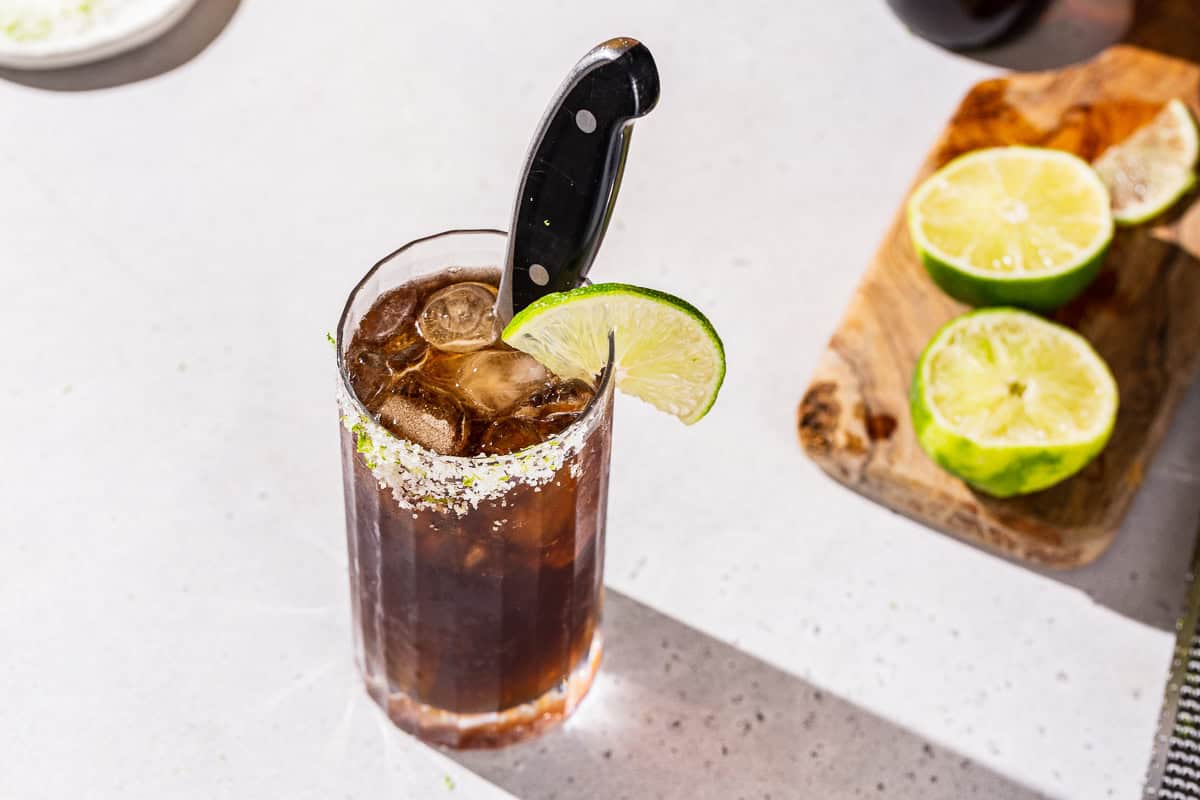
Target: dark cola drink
(475, 488)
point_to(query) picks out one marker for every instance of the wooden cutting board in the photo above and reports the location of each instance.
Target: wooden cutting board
(1142, 314)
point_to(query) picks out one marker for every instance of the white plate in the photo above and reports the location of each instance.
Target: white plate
(48, 34)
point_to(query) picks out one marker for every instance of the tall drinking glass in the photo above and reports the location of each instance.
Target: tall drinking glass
(476, 581)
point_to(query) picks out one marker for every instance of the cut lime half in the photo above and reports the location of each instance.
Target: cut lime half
(667, 352)
(1010, 402)
(1023, 226)
(1148, 172)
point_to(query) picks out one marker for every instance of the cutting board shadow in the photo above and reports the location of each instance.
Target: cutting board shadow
(1142, 315)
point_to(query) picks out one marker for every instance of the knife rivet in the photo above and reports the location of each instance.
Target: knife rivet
(586, 120)
(539, 274)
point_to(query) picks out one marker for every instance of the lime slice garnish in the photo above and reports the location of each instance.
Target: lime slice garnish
(1010, 402)
(667, 352)
(1153, 168)
(1023, 226)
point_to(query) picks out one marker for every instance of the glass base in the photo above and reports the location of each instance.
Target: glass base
(496, 728)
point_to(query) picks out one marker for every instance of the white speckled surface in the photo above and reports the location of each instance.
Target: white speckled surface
(173, 611)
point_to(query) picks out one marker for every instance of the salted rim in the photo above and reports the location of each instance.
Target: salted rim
(422, 479)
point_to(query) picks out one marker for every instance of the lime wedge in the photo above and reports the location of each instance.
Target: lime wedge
(1150, 170)
(1022, 226)
(667, 352)
(1010, 402)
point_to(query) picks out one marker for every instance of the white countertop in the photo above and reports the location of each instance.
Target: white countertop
(173, 598)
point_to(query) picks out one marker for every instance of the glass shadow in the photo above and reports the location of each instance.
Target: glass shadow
(675, 713)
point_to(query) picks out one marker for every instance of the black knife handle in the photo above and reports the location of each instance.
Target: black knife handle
(574, 169)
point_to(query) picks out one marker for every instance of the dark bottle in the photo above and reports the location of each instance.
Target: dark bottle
(961, 24)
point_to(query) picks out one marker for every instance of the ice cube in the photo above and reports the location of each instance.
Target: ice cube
(368, 374)
(511, 434)
(557, 423)
(484, 557)
(494, 382)
(460, 318)
(557, 397)
(388, 316)
(405, 351)
(542, 519)
(426, 415)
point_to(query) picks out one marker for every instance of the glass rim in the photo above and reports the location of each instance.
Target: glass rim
(586, 418)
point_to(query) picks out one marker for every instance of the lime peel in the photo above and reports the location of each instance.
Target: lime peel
(1010, 402)
(1149, 171)
(1024, 226)
(666, 351)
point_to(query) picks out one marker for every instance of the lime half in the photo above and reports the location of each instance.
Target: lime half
(1010, 402)
(667, 352)
(1153, 168)
(1023, 226)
